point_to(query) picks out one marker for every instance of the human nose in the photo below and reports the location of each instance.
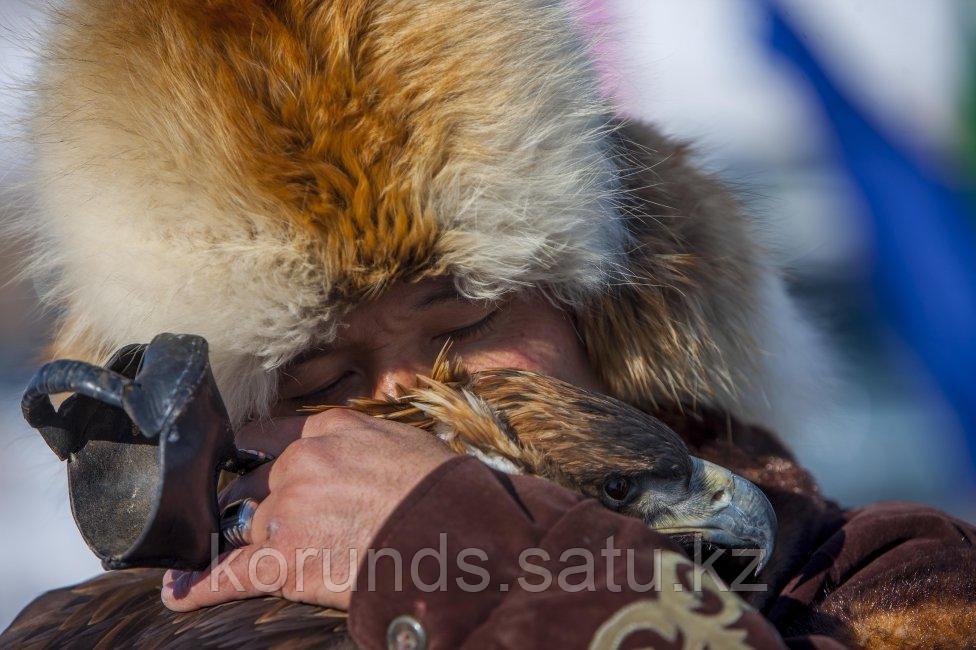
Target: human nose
(388, 380)
(272, 435)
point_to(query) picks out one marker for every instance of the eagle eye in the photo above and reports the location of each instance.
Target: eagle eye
(617, 490)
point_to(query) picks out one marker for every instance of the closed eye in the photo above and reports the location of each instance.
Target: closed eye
(471, 331)
(320, 396)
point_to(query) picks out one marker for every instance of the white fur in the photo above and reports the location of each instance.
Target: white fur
(148, 223)
(143, 226)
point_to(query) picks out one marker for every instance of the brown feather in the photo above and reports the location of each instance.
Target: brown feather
(122, 609)
(542, 425)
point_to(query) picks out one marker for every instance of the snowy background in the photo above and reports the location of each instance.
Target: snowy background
(698, 68)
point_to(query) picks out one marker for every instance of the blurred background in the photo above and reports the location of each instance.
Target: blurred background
(848, 127)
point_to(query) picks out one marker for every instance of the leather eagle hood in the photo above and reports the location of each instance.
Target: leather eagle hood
(246, 170)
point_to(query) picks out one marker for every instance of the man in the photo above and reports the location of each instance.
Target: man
(330, 191)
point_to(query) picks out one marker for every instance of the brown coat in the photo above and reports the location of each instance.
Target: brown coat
(892, 574)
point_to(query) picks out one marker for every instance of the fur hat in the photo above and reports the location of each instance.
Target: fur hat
(247, 169)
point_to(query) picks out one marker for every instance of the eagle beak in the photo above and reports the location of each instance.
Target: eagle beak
(725, 510)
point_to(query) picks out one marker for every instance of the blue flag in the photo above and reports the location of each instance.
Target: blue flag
(924, 266)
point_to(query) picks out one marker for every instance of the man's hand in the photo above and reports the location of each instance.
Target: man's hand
(337, 476)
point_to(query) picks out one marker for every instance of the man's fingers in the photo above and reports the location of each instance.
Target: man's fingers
(345, 420)
(255, 570)
(248, 572)
(336, 420)
(261, 526)
(262, 522)
(254, 484)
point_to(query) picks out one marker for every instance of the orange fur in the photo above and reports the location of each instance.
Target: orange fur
(247, 170)
(932, 626)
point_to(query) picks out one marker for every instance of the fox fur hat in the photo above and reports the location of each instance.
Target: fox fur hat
(247, 170)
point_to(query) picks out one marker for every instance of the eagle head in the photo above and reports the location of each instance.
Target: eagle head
(524, 422)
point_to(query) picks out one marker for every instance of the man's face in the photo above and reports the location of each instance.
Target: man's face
(390, 340)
